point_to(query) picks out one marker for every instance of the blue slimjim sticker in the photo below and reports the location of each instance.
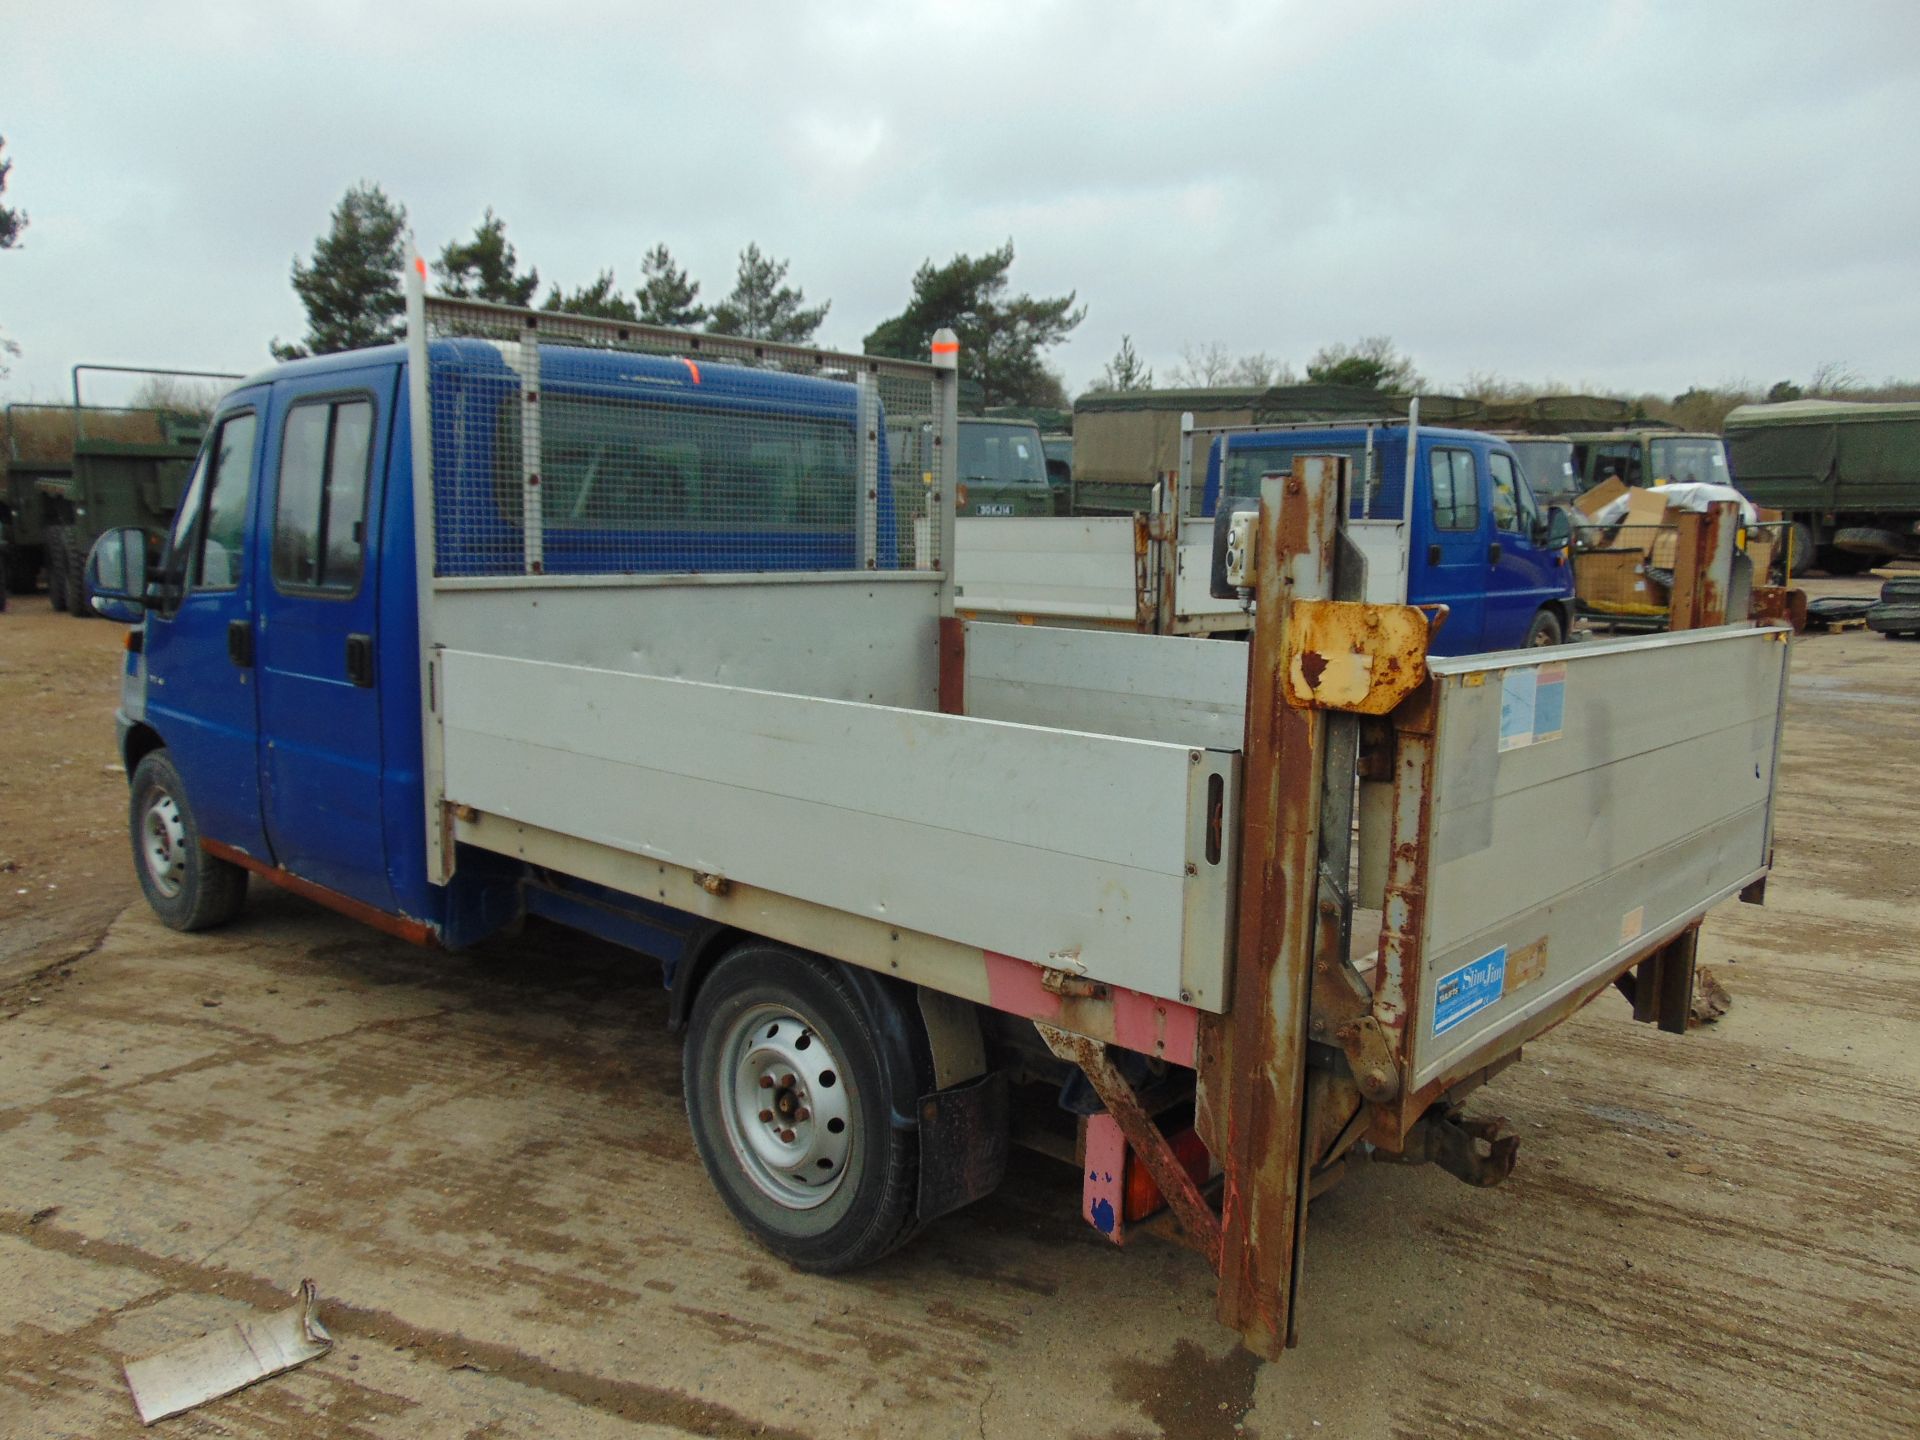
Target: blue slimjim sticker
(1469, 990)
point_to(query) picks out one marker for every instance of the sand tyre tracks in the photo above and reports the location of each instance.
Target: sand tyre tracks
(796, 1096)
(187, 888)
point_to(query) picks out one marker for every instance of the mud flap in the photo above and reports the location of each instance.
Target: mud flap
(963, 1144)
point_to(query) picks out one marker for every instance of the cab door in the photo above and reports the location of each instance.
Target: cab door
(1525, 574)
(321, 761)
(202, 687)
(1451, 556)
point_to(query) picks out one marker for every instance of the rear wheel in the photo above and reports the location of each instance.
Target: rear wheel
(56, 536)
(791, 1097)
(187, 888)
(1546, 630)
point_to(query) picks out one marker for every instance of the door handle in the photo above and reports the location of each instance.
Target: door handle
(240, 642)
(1493, 553)
(360, 660)
(1433, 554)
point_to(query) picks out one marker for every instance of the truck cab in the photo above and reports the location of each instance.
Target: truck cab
(1003, 469)
(1471, 532)
(1650, 457)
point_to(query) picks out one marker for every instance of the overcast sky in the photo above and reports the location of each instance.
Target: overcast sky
(1629, 195)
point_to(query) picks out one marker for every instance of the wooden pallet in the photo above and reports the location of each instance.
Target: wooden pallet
(1814, 622)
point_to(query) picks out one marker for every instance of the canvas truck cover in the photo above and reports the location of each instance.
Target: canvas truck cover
(1133, 437)
(1827, 454)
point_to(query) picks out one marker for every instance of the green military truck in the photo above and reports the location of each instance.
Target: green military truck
(1650, 455)
(1847, 473)
(38, 457)
(76, 471)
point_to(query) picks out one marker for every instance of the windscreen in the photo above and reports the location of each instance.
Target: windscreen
(1549, 467)
(1002, 454)
(1692, 459)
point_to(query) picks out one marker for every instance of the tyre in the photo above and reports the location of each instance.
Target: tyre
(790, 1095)
(1545, 630)
(1902, 617)
(56, 536)
(187, 888)
(1801, 553)
(77, 605)
(1901, 587)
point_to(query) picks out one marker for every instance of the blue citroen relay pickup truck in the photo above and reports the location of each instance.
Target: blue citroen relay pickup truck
(1477, 541)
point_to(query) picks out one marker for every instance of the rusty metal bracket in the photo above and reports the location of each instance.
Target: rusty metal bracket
(1341, 1014)
(1351, 655)
(1072, 987)
(1144, 1137)
(1479, 1152)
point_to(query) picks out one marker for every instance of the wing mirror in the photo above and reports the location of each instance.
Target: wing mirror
(116, 577)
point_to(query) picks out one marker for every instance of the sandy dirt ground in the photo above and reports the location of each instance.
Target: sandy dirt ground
(482, 1161)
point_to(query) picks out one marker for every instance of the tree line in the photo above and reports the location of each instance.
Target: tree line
(1375, 363)
(352, 288)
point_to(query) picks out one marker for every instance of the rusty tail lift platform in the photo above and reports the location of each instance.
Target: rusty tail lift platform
(1500, 909)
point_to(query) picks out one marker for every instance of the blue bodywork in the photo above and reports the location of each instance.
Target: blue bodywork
(289, 759)
(1494, 576)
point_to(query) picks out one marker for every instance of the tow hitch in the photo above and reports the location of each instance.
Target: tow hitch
(1480, 1152)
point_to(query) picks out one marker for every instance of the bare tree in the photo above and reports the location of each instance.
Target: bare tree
(1833, 378)
(1262, 370)
(1202, 367)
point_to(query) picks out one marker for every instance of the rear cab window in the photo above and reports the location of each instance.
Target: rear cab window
(319, 520)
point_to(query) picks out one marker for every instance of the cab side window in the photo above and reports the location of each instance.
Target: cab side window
(1506, 493)
(1456, 494)
(217, 548)
(319, 522)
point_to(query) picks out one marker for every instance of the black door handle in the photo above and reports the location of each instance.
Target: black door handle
(1433, 554)
(360, 660)
(240, 642)
(1493, 553)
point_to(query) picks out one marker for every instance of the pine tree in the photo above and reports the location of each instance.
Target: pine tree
(602, 299)
(1125, 371)
(668, 297)
(1002, 337)
(1371, 363)
(12, 222)
(763, 307)
(352, 290)
(485, 267)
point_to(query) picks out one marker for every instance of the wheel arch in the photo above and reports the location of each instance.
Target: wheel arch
(140, 741)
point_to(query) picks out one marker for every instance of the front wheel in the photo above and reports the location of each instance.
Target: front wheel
(77, 605)
(1545, 630)
(187, 888)
(56, 541)
(791, 1101)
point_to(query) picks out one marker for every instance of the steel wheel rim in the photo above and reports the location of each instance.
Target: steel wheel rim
(163, 844)
(788, 1113)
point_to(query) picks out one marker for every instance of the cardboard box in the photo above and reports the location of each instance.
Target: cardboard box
(1598, 498)
(1617, 581)
(1643, 528)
